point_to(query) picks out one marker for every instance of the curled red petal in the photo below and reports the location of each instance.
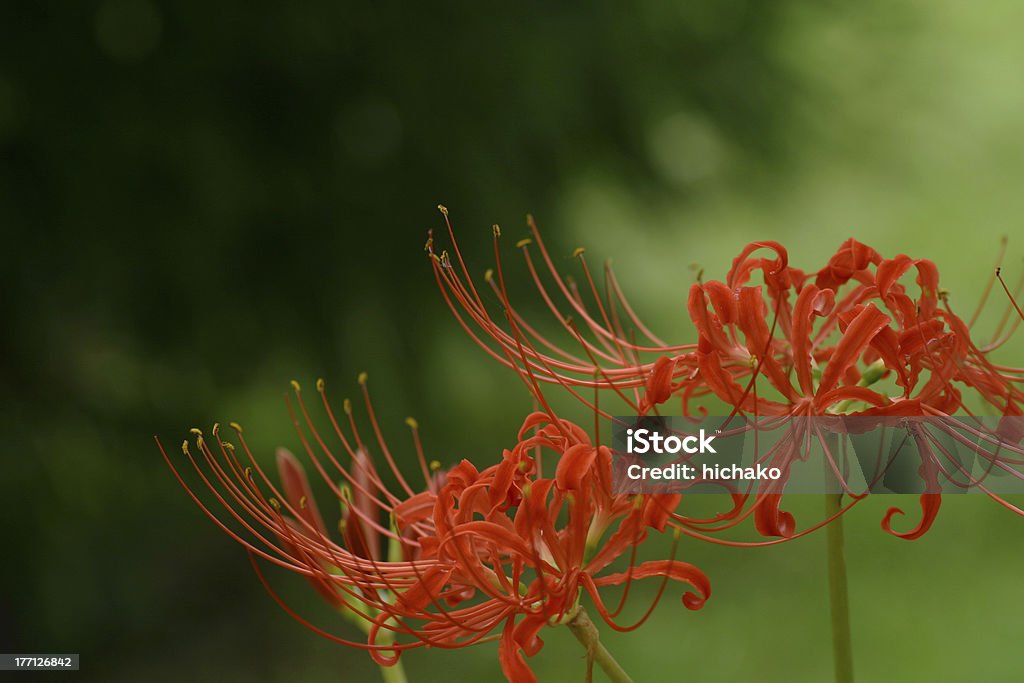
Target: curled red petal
(658, 388)
(852, 259)
(803, 312)
(723, 300)
(532, 420)
(930, 503)
(774, 270)
(769, 520)
(856, 337)
(526, 633)
(673, 569)
(708, 325)
(415, 509)
(574, 465)
(512, 663)
(658, 509)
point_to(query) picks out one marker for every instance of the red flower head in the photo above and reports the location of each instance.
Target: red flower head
(376, 585)
(473, 551)
(528, 545)
(822, 340)
(796, 344)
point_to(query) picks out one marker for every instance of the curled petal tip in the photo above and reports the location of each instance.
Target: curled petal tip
(930, 503)
(692, 601)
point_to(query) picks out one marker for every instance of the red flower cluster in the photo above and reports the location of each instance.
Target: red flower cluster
(474, 551)
(821, 340)
(796, 344)
(501, 551)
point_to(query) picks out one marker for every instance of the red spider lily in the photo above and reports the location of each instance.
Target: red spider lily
(283, 525)
(471, 552)
(501, 528)
(820, 340)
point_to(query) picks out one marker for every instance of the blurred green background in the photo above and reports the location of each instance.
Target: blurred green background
(200, 201)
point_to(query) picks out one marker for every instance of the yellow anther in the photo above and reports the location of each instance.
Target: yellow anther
(411, 421)
(489, 275)
(320, 385)
(578, 251)
(363, 377)
(237, 427)
(496, 229)
(216, 428)
(275, 504)
(302, 503)
(523, 242)
(184, 446)
(346, 405)
(296, 386)
(435, 465)
(527, 488)
(345, 491)
(429, 246)
(228, 445)
(248, 473)
(443, 209)
(196, 431)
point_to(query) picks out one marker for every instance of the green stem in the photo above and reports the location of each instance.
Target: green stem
(839, 599)
(393, 674)
(585, 631)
